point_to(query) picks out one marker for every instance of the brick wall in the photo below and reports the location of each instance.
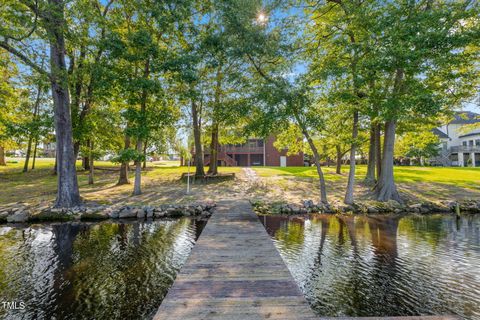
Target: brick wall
(272, 155)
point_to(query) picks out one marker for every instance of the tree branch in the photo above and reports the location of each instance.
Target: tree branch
(4, 44)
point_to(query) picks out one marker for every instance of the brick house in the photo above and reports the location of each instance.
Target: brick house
(254, 152)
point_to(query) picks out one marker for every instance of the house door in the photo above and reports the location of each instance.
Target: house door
(283, 161)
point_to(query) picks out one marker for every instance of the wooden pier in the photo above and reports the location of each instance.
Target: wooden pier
(234, 272)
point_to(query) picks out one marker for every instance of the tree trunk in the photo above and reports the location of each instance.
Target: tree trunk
(321, 178)
(86, 162)
(351, 173)
(68, 194)
(144, 166)
(338, 169)
(76, 149)
(90, 164)
(213, 168)
(2, 156)
(35, 153)
(123, 179)
(370, 177)
(137, 187)
(54, 172)
(386, 188)
(29, 151)
(199, 171)
(316, 157)
(378, 149)
(31, 134)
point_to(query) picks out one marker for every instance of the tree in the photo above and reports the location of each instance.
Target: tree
(142, 48)
(424, 67)
(9, 98)
(418, 145)
(46, 19)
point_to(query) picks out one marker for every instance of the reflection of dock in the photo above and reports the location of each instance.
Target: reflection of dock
(235, 272)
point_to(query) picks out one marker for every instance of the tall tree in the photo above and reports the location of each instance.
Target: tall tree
(46, 20)
(425, 66)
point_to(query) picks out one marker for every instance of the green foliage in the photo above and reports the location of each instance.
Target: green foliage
(127, 155)
(417, 144)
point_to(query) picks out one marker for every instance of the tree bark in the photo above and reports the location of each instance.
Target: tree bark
(316, 158)
(123, 179)
(31, 134)
(90, 164)
(338, 169)
(199, 171)
(35, 153)
(86, 161)
(370, 177)
(351, 173)
(144, 166)
(213, 167)
(76, 149)
(321, 178)
(137, 187)
(386, 188)
(378, 149)
(55, 168)
(2, 156)
(68, 194)
(29, 151)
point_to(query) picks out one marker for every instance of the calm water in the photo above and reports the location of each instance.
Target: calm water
(105, 270)
(383, 266)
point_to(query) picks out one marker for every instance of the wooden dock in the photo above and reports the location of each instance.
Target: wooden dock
(234, 272)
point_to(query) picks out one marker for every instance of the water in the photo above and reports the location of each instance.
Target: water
(107, 270)
(385, 265)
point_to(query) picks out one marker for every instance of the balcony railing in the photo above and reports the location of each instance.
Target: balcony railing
(242, 149)
(465, 149)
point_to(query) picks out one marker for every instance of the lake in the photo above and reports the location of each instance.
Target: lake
(79, 270)
(383, 265)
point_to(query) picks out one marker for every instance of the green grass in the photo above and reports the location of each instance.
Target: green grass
(41, 185)
(160, 183)
(459, 177)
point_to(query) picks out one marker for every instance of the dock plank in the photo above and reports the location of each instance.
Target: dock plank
(235, 272)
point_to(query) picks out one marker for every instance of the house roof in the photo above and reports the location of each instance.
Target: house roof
(440, 134)
(471, 133)
(465, 117)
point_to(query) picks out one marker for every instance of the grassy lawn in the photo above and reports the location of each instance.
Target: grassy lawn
(415, 183)
(160, 182)
(460, 177)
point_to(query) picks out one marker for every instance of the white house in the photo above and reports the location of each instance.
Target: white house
(459, 146)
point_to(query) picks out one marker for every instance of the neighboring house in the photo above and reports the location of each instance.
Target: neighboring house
(459, 146)
(254, 152)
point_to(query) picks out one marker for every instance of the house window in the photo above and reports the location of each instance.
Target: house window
(470, 143)
(477, 142)
(464, 143)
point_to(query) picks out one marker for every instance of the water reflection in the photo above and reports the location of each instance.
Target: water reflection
(383, 265)
(92, 270)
